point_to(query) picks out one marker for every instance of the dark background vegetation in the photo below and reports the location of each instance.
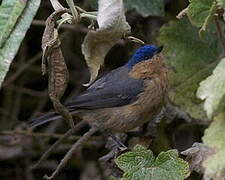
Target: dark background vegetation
(24, 96)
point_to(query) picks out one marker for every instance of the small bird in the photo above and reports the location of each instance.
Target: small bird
(123, 99)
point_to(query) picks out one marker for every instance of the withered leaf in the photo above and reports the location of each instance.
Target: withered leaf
(112, 26)
(57, 69)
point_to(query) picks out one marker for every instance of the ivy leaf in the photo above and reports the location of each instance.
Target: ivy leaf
(141, 164)
(112, 26)
(192, 60)
(214, 164)
(144, 7)
(200, 12)
(212, 89)
(13, 40)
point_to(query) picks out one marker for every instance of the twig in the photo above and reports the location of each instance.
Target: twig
(220, 32)
(69, 154)
(73, 10)
(56, 5)
(74, 27)
(134, 39)
(34, 134)
(43, 135)
(30, 92)
(46, 154)
(40, 105)
(182, 13)
(59, 141)
(21, 70)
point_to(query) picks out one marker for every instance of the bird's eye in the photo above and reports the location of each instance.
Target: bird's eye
(146, 57)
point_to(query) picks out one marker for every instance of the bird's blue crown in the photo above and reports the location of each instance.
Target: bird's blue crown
(143, 53)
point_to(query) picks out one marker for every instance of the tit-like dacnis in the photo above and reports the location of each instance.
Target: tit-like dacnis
(123, 99)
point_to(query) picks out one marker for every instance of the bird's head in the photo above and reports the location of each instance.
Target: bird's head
(143, 53)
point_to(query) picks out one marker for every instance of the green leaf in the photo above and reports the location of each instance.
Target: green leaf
(200, 12)
(214, 164)
(221, 2)
(212, 89)
(140, 164)
(13, 41)
(10, 11)
(192, 59)
(144, 7)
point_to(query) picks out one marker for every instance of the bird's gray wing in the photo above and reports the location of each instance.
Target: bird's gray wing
(114, 89)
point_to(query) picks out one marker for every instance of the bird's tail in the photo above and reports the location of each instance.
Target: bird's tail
(51, 116)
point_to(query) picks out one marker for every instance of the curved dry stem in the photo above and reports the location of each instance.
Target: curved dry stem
(59, 141)
(69, 154)
(73, 10)
(134, 39)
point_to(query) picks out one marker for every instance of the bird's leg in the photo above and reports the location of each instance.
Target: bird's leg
(59, 141)
(115, 146)
(120, 145)
(69, 154)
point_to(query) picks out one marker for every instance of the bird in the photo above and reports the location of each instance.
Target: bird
(123, 99)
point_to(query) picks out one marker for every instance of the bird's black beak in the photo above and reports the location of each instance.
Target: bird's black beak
(159, 49)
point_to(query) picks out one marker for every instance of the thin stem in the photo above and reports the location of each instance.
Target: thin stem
(95, 13)
(182, 13)
(69, 154)
(59, 141)
(220, 32)
(80, 9)
(134, 39)
(56, 5)
(47, 153)
(89, 16)
(73, 10)
(44, 135)
(64, 20)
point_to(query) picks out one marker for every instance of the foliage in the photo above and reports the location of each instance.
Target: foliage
(193, 59)
(200, 12)
(191, 62)
(140, 164)
(193, 46)
(16, 23)
(212, 90)
(214, 165)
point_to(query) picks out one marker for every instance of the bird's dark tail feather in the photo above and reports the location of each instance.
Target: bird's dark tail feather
(51, 116)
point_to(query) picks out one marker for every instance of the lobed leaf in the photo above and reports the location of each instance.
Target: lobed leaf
(140, 164)
(200, 12)
(13, 41)
(191, 60)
